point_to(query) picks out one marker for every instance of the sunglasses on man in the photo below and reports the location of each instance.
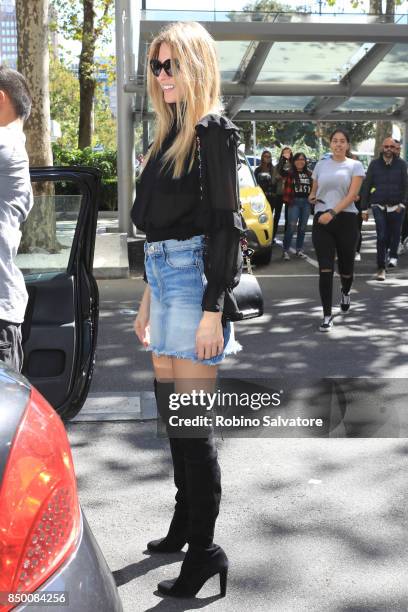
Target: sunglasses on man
(168, 65)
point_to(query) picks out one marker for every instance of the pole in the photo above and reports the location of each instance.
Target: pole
(254, 139)
(404, 148)
(125, 66)
(145, 136)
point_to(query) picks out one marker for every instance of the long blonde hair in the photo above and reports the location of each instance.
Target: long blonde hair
(198, 77)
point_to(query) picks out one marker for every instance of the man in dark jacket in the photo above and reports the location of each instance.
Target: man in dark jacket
(385, 192)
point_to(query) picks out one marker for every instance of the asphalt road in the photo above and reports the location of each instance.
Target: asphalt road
(308, 524)
(370, 340)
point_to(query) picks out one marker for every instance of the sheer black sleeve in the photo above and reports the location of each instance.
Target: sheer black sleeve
(218, 138)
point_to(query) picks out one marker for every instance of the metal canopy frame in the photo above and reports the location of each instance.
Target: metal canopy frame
(293, 32)
(248, 73)
(320, 106)
(134, 32)
(327, 97)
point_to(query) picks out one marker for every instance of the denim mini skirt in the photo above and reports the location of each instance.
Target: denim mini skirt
(175, 273)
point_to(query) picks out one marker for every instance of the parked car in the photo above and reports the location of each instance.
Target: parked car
(253, 161)
(257, 213)
(48, 554)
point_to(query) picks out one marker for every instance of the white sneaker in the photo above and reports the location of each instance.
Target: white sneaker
(326, 324)
(393, 262)
(401, 249)
(357, 257)
(286, 256)
(405, 243)
(301, 254)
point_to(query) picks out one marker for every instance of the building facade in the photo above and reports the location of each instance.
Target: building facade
(8, 33)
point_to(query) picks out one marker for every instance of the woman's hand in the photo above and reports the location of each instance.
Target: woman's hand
(209, 336)
(141, 323)
(312, 198)
(325, 218)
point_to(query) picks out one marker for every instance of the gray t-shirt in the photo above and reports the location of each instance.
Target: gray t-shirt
(16, 200)
(333, 182)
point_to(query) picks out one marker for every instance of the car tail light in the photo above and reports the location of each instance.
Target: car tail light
(39, 508)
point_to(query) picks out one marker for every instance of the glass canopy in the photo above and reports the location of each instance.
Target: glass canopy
(287, 65)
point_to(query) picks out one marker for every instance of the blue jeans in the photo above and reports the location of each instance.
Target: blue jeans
(388, 226)
(298, 214)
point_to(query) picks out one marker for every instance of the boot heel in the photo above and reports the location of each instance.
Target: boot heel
(223, 582)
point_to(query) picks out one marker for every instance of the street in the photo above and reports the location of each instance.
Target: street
(308, 524)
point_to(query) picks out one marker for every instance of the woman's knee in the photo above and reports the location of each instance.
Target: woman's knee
(163, 367)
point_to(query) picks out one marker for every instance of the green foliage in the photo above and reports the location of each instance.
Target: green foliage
(88, 21)
(64, 101)
(70, 18)
(105, 161)
(307, 132)
(358, 130)
(302, 135)
(64, 97)
(261, 8)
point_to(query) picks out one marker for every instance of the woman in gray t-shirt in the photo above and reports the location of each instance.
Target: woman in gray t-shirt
(336, 183)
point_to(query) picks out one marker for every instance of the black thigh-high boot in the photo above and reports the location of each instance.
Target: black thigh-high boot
(203, 489)
(177, 533)
(204, 558)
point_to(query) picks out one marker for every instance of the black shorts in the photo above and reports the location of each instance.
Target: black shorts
(11, 350)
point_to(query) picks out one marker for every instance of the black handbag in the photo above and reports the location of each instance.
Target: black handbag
(247, 294)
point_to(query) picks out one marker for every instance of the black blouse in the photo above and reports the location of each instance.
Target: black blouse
(167, 208)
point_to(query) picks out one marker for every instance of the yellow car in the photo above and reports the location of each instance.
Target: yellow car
(257, 213)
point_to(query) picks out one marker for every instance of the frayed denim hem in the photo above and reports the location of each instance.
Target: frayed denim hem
(232, 350)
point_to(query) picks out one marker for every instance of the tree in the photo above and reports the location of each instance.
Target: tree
(260, 9)
(33, 62)
(383, 128)
(97, 15)
(290, 132)
(64, 94)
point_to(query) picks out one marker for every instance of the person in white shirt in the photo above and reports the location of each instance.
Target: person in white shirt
(16, 200)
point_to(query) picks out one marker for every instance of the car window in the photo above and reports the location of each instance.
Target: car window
(245, 176)
(49, 231)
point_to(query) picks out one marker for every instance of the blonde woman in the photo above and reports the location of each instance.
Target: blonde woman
(188, 205)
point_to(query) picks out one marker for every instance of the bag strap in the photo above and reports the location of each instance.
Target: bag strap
(246, 251)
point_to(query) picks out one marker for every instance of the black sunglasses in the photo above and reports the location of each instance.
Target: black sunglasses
(157, 66)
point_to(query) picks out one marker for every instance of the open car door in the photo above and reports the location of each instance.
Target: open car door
(56, 258)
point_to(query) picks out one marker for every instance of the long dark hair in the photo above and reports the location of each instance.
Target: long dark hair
(340, 131)
(295, 171)
(282, 160)
(269, 165)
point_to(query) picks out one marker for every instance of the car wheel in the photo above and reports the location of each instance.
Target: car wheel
(263, 257)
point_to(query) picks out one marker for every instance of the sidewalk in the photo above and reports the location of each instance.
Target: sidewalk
(116, 254)
(308, 525)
